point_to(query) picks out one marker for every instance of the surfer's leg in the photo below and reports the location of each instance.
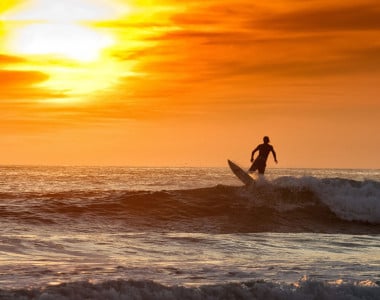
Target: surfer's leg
(253, 168)
(262, 168)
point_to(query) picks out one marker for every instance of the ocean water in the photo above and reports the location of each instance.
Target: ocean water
(188, 233)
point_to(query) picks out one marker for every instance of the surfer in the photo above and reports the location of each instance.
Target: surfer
(261, 161)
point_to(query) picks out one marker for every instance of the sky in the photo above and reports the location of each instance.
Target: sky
(189, 83)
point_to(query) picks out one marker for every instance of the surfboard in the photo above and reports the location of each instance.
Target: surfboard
(240, 173)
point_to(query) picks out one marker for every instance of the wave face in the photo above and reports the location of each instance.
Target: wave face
(286, 204)
(305, 289)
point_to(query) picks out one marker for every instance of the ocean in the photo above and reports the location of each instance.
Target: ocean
(188, 233)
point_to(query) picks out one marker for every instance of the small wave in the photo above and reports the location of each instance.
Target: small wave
(144, 289)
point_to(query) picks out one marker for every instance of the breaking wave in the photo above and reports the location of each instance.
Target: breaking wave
(120, 289)
(287, 204)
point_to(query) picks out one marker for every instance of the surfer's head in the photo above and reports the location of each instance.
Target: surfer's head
(266, 139)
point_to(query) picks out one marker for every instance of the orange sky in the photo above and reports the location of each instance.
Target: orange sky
(189, 83)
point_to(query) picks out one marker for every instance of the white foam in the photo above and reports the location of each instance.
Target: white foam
(353, 203)
(121, 290)
(350, 200)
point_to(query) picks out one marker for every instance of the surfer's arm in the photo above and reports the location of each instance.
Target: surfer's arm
(274, 155)
(253, 152)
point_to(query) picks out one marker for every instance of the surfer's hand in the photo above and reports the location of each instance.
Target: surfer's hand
(276, 161)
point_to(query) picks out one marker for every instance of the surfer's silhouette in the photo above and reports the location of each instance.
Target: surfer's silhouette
(261, 161)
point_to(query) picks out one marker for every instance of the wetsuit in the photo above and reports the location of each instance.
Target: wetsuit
(261, 161)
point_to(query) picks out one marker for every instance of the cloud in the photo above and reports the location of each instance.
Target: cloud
(187, 57)
(20, 90)
(331, 18)
(8, 59)
(19, 86)
(11, 78)
(213, 41)
(210, 53)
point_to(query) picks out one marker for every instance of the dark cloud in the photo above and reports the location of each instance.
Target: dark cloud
(213, 42)
(343, 17)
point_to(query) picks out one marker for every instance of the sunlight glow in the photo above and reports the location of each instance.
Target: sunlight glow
(57, 27)
(83, 80)
(60, 38)
(67, 40)
(65, 11)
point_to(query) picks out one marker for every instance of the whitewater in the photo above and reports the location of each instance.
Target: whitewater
(188, 233)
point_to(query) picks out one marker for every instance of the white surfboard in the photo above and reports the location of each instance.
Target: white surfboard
(241, 174)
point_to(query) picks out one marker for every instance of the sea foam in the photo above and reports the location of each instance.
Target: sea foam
(144, 289)
(349, 199)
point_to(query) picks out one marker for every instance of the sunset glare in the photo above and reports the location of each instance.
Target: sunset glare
(67, 40)
(171, 83)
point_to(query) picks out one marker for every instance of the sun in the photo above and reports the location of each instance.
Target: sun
(60, 38)
(63, 40)
(60, 28)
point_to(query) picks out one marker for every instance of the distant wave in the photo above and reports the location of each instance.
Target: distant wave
(305, 289)
(286, 204)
